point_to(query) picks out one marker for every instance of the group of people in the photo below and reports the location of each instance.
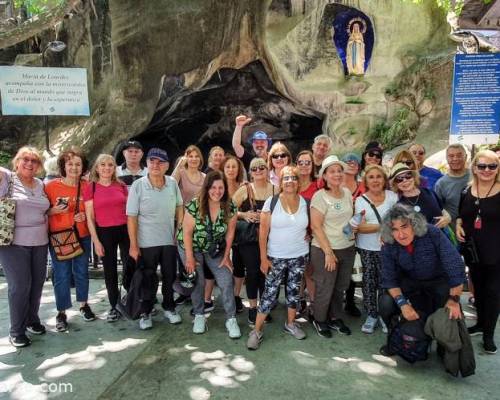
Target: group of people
(264, 219)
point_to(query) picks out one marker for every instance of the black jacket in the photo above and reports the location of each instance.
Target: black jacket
(453, 336)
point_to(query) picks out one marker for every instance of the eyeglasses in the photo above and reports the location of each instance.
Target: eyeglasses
(260, 168)
(304, 163)
(279, 155)
(407, 162)
(491, 167)
(403, 177)
(418, 152)
(290, 178)
(27, 160)
(374, 154)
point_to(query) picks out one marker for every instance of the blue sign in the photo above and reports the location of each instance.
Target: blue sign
(475, 112)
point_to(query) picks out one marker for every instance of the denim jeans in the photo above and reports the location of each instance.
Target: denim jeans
(223, 277)
(61, 271)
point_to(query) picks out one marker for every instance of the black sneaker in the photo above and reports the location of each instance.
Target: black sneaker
(87, 313)
(384, 350)
(113, 315)
(180, 300)
(252, 316)
(489, 346)
(36, 329)
(475, 330)
(19, 341)
(352, 310)
(209, 306)
(339, 326)
(61, 322)
(322, 329)
(239, 304)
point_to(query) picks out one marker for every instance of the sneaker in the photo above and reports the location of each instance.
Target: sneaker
(369, 325)
(87, 313)
(200, 324)
(173, 317)
(475, 330)
(322, 329)
(382, 325)
(252, 316)
(19, 341)
(352, 310)
(339, 326)
(384, 350)
(232, 328)
(36, 329)
(295, 330)
(145, 322)
(180, 300)
(239, 304)
(61, 322)
(489, 346)
(113, 315)
(209, 306)
(254, 339)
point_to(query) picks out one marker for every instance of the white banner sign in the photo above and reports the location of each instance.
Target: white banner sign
(44, 91)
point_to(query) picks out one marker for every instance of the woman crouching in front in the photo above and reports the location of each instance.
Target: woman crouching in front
(284, 252)
(206, 237)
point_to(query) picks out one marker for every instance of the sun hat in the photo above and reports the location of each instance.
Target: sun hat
(331, 160)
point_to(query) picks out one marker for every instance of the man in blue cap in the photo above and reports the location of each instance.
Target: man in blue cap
(259, 140)
(154, 206)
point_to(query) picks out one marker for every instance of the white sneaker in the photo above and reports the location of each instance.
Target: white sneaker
(172, 317)
(232, 328)
(145, 322)
(369, 325)
(200, 324)
(383, 325)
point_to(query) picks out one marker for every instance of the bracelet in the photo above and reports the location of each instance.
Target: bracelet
(400, 300)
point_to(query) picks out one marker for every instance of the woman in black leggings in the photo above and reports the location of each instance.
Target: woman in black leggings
(250, 198)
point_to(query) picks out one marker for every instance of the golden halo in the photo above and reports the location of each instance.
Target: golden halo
(360, 21)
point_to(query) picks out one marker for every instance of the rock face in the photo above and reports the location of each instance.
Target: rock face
(178, 72)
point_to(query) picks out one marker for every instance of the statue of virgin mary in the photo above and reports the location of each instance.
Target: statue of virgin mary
(355, 50)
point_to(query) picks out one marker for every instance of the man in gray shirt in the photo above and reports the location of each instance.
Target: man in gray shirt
(154, 204)
(450, 186)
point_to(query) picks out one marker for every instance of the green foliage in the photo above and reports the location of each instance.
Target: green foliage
(355, 100)
(351, 131)
(5, 159)
(34, 7)
(391, 135)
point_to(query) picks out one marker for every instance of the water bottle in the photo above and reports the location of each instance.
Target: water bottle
(347, 229)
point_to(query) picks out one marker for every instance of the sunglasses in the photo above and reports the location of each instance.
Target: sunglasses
(290, 178)
(303, 163)
(407, 162)
(403, 177)
(374, 154)
(279, 155)
(260, 168)
(27, 160)
(418, 153)
(491, 167)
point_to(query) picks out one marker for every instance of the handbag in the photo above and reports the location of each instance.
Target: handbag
(66, 242)
(247, 232)
(7, 216)
(469, 251)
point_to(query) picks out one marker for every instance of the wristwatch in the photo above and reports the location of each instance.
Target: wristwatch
(455, 298)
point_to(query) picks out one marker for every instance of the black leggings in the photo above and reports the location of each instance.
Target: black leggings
(486, 281)
(111, 238)
(255, 279)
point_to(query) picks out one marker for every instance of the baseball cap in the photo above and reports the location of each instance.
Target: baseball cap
(157, 153)
(132, 143)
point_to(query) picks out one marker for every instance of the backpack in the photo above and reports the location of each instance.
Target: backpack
(408, 340)
(275, 199)
(143, 287)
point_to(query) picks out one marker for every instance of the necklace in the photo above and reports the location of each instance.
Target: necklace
(478, 222)
(414, 203)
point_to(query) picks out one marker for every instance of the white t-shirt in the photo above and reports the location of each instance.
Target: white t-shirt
(287, 236)
(371, 241)
(336, 213)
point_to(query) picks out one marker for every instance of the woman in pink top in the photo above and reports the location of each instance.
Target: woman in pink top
(105, 202)
(188, 173)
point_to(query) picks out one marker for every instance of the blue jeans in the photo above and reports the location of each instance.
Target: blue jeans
(61, 271)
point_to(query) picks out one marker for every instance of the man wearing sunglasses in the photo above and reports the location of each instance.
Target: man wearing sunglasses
(432, 175)
(450, 186)
(259, 140)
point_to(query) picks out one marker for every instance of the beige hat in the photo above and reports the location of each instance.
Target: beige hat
(330, 160)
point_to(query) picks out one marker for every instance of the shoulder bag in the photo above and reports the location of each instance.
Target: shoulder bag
(7, 216)
(247, 232)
